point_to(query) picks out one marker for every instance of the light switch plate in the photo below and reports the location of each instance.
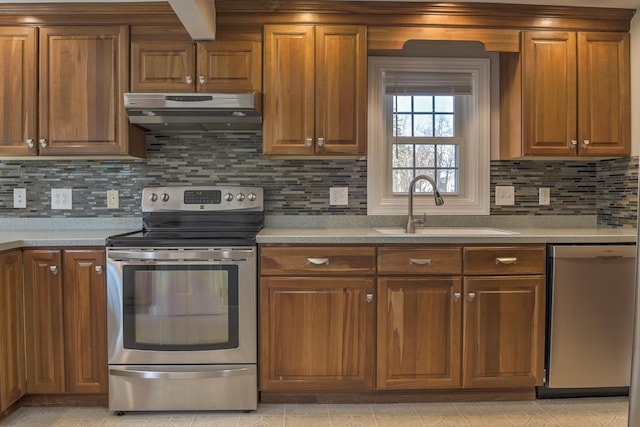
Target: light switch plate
(544, 196)
(505, 195)
(20, 198)
(338, 196)
(61, 198)
(113, 199)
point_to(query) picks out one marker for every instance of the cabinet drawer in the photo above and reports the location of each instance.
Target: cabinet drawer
(317, 260)
(419, 260)
(504, 260)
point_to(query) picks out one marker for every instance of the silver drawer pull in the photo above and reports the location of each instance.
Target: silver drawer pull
(318, 261)
(53, 269)
(512, 260)
(369, 298)
(420, 261)
(99, 270)
(456, 296)
(471, 296)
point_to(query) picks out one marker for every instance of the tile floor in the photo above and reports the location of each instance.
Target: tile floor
(584, 412)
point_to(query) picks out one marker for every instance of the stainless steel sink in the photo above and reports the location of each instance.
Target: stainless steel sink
(445, 231)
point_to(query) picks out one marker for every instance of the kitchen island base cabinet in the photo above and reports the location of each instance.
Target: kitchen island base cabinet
(12, 373)
(316, 333)
(65, 313)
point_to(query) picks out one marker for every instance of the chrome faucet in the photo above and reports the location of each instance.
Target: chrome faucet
(411, 227)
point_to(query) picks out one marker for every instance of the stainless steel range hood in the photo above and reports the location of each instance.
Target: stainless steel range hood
(193, 112)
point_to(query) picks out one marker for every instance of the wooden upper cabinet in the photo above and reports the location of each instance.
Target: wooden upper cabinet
(575, 94)
(315, 90)
(12, 371)
(83, 74)
(166, 60)
(18, 79)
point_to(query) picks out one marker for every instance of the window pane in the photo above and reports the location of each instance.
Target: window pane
(423, 104)
(444, 125)
(425, 156)
(402, 156)
(403, 104)
(423, 125)
(402, 125)
(448, 180)
(444, 104)
(401, 180)
(447, 156)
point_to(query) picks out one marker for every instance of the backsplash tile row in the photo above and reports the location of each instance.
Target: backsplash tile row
(298, 186)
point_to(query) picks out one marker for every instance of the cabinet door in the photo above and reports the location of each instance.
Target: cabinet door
(549, 93)
(316, 333)
(163, 66)
(604, 118)
(419, 321)
(341, 84)
(18, 80)
(289, 98)
(83, 72)
(85, 316)
(12, 372)
(503, 335)
(44, 321)
(227, 66)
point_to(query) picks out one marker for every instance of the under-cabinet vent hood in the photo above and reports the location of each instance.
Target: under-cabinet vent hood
(193, 112)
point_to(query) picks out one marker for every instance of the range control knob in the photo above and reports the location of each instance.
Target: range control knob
(252, 197)
(153, 197)
(228, 197)
(240, 197)
(164, 197)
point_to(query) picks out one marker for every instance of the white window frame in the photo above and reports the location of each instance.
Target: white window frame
(474, 195)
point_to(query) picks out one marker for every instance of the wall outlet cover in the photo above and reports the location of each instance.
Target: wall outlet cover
(20, 198)
(61, 198)
(339, 196)
(544, 196)
(113, 199)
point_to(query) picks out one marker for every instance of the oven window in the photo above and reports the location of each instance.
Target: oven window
(178, 307)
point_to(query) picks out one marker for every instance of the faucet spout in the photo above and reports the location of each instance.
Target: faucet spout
(411, 227)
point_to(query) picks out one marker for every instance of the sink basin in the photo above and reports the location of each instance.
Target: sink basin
(445, 231)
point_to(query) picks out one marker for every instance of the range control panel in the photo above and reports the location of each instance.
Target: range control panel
(211, 198)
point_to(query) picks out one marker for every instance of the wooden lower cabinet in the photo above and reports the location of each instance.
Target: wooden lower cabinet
(316, 333)
(419, 341)
(65, 314)
(12, 353)
(503, 331)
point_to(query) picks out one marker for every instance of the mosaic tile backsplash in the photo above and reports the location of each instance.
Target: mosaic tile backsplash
(606, 188)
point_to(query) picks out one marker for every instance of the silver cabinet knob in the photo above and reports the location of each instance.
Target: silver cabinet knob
(572, 143)
(320, 142)
(308, 142)
(471, 296)
(43, 142)
(585, 143)
(98, 269)
(456, 296)
(53, 269)
(30, 143)
(369, 298)
(189, 80)
(201, 80)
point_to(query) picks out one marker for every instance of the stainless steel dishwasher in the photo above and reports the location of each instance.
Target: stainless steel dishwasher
(590, 320)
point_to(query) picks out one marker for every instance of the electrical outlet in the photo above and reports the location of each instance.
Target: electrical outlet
(113, 199)
(544, 196)
(505, 195)
(338, 196)
(20, 198)
(61, 198)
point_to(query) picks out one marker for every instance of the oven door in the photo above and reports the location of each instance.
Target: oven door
(182, 306)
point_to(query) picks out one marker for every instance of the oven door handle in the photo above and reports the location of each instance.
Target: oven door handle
(196, 255)
(181, 375)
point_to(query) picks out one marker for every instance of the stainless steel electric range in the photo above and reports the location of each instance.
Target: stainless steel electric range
(182, 331)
